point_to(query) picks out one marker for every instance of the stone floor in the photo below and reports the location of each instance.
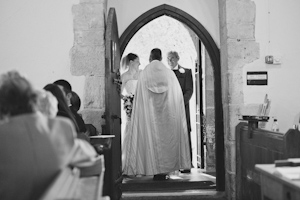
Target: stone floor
(196, 185)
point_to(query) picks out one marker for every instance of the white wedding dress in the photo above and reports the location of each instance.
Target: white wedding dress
(128, 88)
(156, 139)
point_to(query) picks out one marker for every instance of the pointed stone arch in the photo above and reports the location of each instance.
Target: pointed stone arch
(214, 54)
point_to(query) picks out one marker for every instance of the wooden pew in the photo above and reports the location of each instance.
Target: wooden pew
(64, 186)
(83, 182)
(263, 147)
(92, 180)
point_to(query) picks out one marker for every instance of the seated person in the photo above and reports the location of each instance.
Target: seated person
(63, 109)
(75, 106)
(67, 89)
(75, 102)
(33, 147)
(48, 105)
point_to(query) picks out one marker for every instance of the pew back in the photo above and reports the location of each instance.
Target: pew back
(82, 182)
(92, 180)
(64, 186)
(264, 147)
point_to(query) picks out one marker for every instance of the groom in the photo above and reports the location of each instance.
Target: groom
(185, 79)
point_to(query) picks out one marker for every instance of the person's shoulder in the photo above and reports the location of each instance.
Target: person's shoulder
(125, 77)
(73, 110)
(187, 69)
(62, 120)
(62, 131)
(61, 123)
(14, 123)
(79, 120)
(64, 114)
(155, 63)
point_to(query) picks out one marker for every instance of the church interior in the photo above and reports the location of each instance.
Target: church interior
(244, 120)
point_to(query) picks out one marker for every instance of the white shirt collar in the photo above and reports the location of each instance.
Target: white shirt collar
(176, 67)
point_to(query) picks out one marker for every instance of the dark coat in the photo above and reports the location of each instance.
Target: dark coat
(79, 120)
(186, 83)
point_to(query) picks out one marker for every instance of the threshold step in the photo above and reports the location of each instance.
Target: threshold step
(182, 195)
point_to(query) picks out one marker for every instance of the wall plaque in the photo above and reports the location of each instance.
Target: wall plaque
(257, 78)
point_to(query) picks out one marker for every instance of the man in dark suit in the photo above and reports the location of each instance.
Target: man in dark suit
(67, 90)
(185, 79)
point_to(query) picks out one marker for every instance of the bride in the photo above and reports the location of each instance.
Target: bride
(129, 79)
(131, 63)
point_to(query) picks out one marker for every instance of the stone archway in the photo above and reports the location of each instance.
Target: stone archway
(214, 54)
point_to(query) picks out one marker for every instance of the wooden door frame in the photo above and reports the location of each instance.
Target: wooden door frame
(200, 97)
(214, 54)
(112, 115)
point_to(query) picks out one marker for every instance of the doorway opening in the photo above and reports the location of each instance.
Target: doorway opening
(204, 52)
(169, 34)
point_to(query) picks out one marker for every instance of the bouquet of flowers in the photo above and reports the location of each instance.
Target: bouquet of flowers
(128, 104)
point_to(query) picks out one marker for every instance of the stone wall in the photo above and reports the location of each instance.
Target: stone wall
(238, 47)
(88, 57)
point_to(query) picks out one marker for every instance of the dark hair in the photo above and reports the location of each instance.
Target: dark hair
(63, 109)
(17, 95)
(155, 54)
(75, 101)
(65, 84)
(127, 59)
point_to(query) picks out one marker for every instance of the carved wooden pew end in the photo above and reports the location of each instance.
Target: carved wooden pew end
(263, 147)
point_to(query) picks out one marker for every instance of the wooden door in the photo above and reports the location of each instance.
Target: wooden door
(200, 126)
(200, 116)
(112, 114)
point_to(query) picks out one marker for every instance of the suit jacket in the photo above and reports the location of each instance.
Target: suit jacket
(186, 83)
(33, 148)
(79, 120)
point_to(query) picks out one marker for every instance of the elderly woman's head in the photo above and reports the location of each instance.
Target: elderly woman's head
(17, 95)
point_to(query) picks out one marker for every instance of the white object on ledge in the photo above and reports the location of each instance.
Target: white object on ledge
(103, 136)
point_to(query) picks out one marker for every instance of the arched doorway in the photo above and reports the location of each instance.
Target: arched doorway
(214, 54)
